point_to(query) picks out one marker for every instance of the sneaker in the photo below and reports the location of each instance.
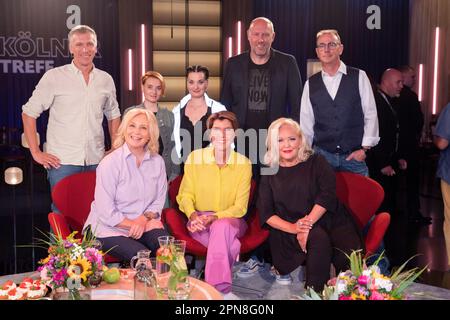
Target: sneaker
(249, 268)
(284, 280)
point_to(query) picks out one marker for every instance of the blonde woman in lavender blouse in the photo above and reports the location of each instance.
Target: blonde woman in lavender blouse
(130, 189)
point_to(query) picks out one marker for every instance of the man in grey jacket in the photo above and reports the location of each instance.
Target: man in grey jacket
(261, 85)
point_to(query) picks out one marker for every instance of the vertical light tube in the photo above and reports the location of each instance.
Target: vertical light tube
(230, 47)
(435, 75)
(130, 70)
(239, 37)
(143, 67)
(142, 49)
(420, 89)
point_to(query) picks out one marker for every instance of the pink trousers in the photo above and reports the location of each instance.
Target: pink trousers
(222, 241)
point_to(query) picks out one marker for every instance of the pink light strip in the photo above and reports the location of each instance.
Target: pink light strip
(239, 37)
(142, 49)
(420, 81)
(130, 70)
(435, 76)
(230, 47)
(142, 53)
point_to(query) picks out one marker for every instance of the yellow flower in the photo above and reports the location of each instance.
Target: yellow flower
(44, 261)
(80, 268)
(358, 296)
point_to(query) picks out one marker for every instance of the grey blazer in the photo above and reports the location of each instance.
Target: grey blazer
(165, 124)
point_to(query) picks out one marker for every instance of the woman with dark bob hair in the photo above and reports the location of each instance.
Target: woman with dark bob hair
(214, 196)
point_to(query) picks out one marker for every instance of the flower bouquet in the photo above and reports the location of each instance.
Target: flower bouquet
(366, 283)
(71, 263)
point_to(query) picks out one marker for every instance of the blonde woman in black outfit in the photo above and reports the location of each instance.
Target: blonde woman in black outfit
(308, 226)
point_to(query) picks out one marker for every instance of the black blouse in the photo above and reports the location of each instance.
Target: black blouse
(185, 123)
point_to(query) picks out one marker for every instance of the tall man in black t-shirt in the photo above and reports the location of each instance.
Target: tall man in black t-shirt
(260, 86)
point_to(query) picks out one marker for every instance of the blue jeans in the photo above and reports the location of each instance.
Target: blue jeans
(55, 175)
(338, 162)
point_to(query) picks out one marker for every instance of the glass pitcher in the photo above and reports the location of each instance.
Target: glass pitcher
(144, 278)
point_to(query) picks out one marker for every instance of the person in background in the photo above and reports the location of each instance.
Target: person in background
(130, 189)
(153, 87)
(311, 228)
(192, 112)
(214, 196)
(410, 119)
(384, 160)
(78, 95)
(441, 139)
(338, 114)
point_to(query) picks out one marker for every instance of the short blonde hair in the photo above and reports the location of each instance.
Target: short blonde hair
(272, 156)
(81, 29)
(156, 75)
(153, 130)
(329, 31)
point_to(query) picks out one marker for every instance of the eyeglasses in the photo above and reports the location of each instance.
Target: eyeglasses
(329, 45)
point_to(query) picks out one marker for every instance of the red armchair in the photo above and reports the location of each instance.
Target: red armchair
(363, 196)
(176, 221)
(73, 196)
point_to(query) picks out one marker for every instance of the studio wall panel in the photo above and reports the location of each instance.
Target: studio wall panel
(173, 63)
(201, 38)
(176, 88)
(200, 13)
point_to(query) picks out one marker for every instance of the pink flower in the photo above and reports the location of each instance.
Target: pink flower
(345, 298)
(375, 295)
(363, 280)
(332, 281)
(94, 257)
(60, 277)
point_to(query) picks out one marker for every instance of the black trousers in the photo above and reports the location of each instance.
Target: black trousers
(125, 248)
(413, 186)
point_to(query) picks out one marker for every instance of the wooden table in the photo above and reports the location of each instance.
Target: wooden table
(123, 290)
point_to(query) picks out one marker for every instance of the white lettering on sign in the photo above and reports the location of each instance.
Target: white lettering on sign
(75, 16)
(374, 20)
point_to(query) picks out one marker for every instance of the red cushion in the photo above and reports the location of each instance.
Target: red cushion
(177, 227)
(376, 232)
(176, 222)
(73, 196)
(362, 196)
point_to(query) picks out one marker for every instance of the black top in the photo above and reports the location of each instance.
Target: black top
(285, 87)
(258, 96)
(186, 124)
(385, 153)
(161, 144)
(338, 122)
(411, 121)
(291, 194)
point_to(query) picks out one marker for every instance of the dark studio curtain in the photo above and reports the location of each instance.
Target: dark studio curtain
(297, 22)
(44, 24)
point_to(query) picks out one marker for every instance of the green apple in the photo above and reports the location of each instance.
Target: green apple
(111, 275)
